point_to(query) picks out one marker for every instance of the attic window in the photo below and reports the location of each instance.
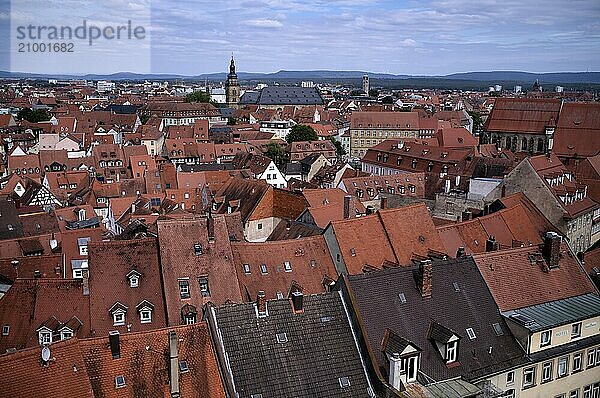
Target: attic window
(263, 269)
(456, 286)
(203, 282)
(134, 281)
(120, 381)
(344, 382)
(353, 252)
(313, 263)
(287, 266)
(5, 330)
(498, 329)
(451, 351)
(198, 249)
(279, 296)
(256, 396)
(282, 338)
(471, 333)
(45, 337)
(183, 366)
(246, 268)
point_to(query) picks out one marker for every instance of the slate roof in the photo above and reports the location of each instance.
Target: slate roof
(319, 350)
(517, 280)
(283, 95)
(377, 297)
(555, 313)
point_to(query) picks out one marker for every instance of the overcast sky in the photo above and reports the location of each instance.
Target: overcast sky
(402, 37)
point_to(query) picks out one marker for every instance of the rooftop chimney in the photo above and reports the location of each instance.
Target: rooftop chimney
(461, 252)
(174, 364)
(298, 302)
(467, 215)
(347, 200)
(384, 203)
(491, 245)
(425, 278)
(551, 249)
(115, 345)
(261, 303)
(210, 226)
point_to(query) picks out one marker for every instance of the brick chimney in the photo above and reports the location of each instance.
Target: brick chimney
(461, 252)
(551, 250)
(174, 364)
(347, 200)
(467, 215)
(491, 245)
(424, 279)
(115, 344)
(297, 302)
(384, 203)
(261, 304)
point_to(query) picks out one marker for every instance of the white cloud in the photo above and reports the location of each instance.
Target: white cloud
(264, 23)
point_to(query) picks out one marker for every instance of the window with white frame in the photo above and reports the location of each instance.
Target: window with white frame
(287, 266)
(66, 334)
(118, 318)
(528, 377)
(545, 338)
(591, 358)
(587, 391)
(263, 268)
(546, 372)
(563, 367)
(576, 330)
(510, 377)
(451, 351)
(598, 363)
(190, 319)
(577, 362)
(509, 393)
(574, 393)
(145, 315)
(246, 268)
(412, 366)
(5, 330)
(184, 288)
(45, 336)
(204, 289)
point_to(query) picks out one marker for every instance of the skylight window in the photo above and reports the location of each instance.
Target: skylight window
(498, 329)
(471, 333)
(344, 382)
(120, 381)
(402, 298)
(183, 366)
(282, 338)
(456, 286)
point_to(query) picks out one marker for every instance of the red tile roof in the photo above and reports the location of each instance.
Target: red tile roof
(23, 375)
(144, 363)
(517, 281)
(523, 115)
(578, 132)
(110, 263)
(309, 265)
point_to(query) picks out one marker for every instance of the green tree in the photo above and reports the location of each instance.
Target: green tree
(144, 119)
(301, 132)
(388, 100)
(373, 92)
(200, 96)
(339, 148)
(231, 121)
(39, 115)
(276, 153)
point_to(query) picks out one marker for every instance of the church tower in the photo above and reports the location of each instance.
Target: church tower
(232, 87)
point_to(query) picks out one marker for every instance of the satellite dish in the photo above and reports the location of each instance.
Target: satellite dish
(45, 354)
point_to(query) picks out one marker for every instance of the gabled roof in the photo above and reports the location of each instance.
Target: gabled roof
(516, 277)
(64, 376)
(578, 131)
(144, 364)
(308, 258)
(523, 115)
(293, 368)
(377, 299)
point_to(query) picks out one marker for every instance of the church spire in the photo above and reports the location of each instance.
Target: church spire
(232, 65)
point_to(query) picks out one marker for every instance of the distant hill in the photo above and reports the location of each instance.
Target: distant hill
(330, 75)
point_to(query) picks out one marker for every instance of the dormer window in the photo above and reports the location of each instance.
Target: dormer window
(451, 351)
(198, 249)
(145, 309)
(287, 266)
(118, 312)
(545, 338)
(66, 333)
(133, 277)
(45, 336)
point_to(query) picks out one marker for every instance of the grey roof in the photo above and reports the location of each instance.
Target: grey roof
(10, 225)
(320, 349)
(283, 95)
(378, 301)
(226, 112)
(555, 313)
(456, 388)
